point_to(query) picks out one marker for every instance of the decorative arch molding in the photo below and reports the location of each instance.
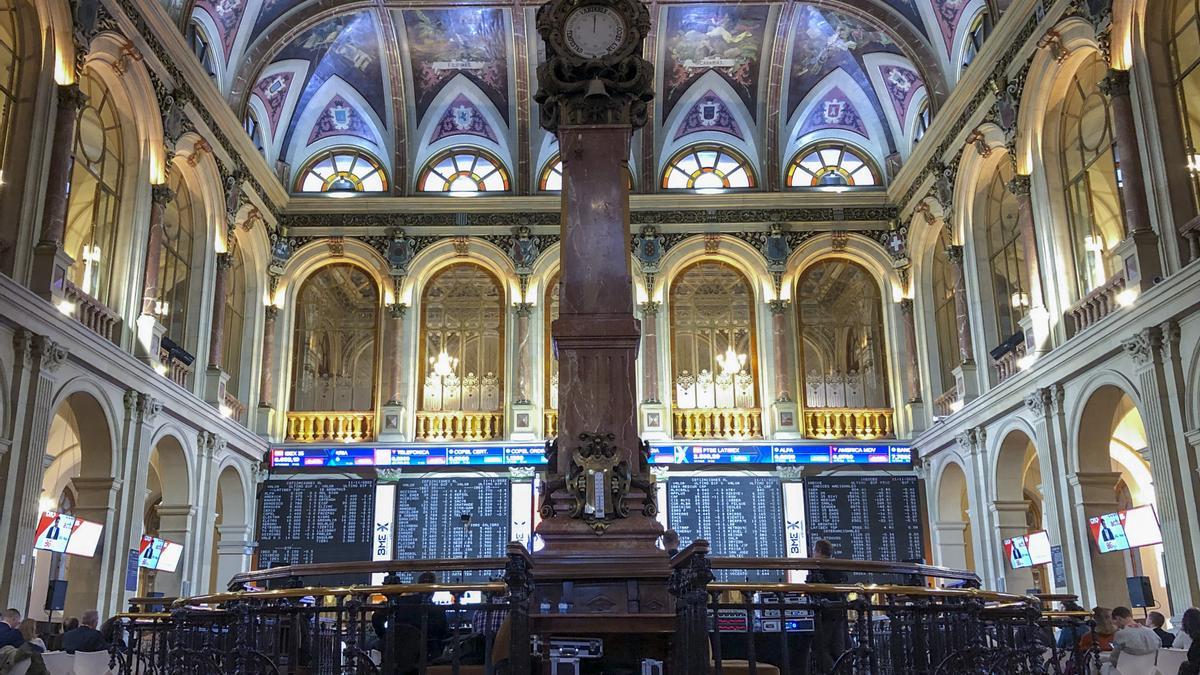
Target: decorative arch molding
(1127, 35)
(938, 482)
(1051, 68)
(274, 127)
(461, 85)
(545, 269)
(958, 44)
(241, 479)
(93, 403)
(711, 81)
(1095, 385)
(433, 259)
(973, 169)
(857, 249)
(319, 253)
(730, 250)
(1007, 470)
(176, 463)
(134, 93)
(900, 121)
(873, 144)
(300, 150)
(199, 169)
(216, 50)
(56, 29)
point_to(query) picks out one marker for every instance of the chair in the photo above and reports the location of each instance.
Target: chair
(91, 663)
(59, 663)
(1136, 664)
(21, 668)
(1169, 661)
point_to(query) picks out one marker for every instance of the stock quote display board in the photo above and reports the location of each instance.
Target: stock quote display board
(316, 521)
(866, 517)
(429, 524)
(740, 516)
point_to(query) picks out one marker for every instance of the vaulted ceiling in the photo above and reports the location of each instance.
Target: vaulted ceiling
(405, 82)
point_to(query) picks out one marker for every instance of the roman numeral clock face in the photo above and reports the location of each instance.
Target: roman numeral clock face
(594, 31)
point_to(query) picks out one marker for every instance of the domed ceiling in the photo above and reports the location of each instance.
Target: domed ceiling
(407, 83)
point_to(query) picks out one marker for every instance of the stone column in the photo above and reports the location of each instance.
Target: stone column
(176, 522)
(160, 196)
(1102, 577)
(393, 358)
(232, 543)
(89, 586)
(912, 372)
(973, 445)
(1037, 319)
(964, 374)
(1160, 370)
(951, 538)
(1141, 240)
(50, 261)
(1047, 407)
(34, 375)
(1011, 521)
(216, 377)
(785, 411)
(524, 423)
(650, 351)
(266, 384)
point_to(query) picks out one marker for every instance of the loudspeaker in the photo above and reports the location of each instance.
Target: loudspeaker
(56, 595)
(564, 665)
(1140, 592)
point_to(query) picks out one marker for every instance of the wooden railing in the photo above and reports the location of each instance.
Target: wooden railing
(177, 371)
(550, 420)
(1095, 305)
(861, 423)
(310, 427)
(90, 312)
(237, 409)
(459, 425)
(717, 423)
(944, 405)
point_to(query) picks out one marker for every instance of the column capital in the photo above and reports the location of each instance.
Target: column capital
(906, 307)
(523, 309)
(1019, 185)
(1115, 83)
(779, 306)
(397, 310)
(224, 260)
(272, 311)
(71, 96)
(954, 252)
(1045, 401)
(649, 308)
(1145, 347)
(161, 195)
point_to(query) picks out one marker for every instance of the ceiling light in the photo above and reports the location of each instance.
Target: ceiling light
(341, 187)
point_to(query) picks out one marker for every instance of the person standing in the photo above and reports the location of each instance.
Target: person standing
(670, 542)
(829, 639)
(85, 638)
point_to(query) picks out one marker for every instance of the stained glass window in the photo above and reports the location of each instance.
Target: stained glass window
(831, 166)
(708, 167)
(464, 171)
(342, 171)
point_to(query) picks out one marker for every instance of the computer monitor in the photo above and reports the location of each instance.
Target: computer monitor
(1123, 530)
(65, 533)
(159, 554)
(1028, 550)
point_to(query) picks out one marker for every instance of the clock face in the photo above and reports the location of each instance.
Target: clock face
(594, 31)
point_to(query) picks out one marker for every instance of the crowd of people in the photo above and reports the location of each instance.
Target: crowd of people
(20, 641)
(1115, 632)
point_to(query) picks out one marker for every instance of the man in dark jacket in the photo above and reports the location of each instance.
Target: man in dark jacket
(9, 635)
(408, 610)
(829, 639)
(85, 638)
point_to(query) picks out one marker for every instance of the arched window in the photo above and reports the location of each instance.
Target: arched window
(175, 262)
(10, 72)
(342, 172)
(94, 206)
(552, 176)
(253, 130)
(923, 120)
(1184, 46)
(843, 353)
(981, 26)
(1006, 255)
(464, 171)
(708, 167)
(333, 365)
(201, 46)
(462, 355)
(1095, 218)
(834, 166)
(235, 320)
(712, 352)
(945, 317)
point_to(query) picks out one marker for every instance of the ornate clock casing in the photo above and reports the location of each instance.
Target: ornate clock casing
(594, 72)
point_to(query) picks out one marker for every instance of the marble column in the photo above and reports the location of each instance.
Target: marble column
(649, 311)
(216, 333)
(394, 353)
(1141, 242)
(1019, 187)
(50, 261)
(912, 373)
(966, 349)
(1102, 579)
(523, 311)
(34, 379)
(266, 382)
(160, 196)
(781, 363)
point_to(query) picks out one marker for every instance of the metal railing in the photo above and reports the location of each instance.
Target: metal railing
(459, 425)
(718, 423)
(309, 427)
(861, 423)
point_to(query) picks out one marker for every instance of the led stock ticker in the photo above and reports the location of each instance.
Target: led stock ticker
(506, 454)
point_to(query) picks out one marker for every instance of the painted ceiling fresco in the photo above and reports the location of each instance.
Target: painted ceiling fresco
(404, 83)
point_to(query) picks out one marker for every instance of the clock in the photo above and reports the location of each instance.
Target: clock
(594, 31)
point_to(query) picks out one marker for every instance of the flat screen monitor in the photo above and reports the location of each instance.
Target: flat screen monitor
(64, 533)
(1028, 550)
(159, 554)
(1127, 529)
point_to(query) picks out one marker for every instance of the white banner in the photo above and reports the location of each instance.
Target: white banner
(795, 531)
(383, 537)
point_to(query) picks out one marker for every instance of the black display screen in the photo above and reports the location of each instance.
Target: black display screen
(866, 517)
(429, 524)
(740, 516)
(316, 521)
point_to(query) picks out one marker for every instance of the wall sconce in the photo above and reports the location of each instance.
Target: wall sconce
(1020, 300)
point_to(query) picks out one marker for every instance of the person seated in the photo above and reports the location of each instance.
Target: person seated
(1069, 636)
(10, 636)
(70, 624)
(408, 610)
(1183, 640)
(1131, 637)
(28, 630)
(1157, 621)
(85, 638)
(1190, 627)
(1101, 636)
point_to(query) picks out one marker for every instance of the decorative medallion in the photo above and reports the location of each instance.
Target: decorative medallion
(462, 117)
(340, 118)
(834, 111)
(902, 84)
(709, 114)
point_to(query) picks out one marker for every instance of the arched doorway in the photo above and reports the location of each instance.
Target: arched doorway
(77, 482)
(169, 514)
(231, 531)
(1114, 475)
(953, 535)
(1017, 509)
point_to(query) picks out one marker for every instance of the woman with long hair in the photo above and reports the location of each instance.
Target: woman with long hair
(1190, 626)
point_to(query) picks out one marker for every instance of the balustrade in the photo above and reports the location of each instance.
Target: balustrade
(1190, 231)
(1009, 363)
(93, 314)
(550, 417)
(459, 425)
(946, 404)
(311, 427)
(717, 423)
(236, 408)
(177, 370)
(860, 423)
(1096, 305)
